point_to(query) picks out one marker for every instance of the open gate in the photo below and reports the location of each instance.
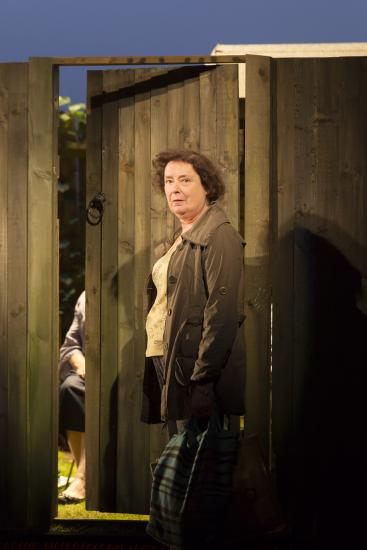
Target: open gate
(134, 114)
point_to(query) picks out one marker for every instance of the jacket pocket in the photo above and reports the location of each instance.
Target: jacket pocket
(184, 367)
(191, 337)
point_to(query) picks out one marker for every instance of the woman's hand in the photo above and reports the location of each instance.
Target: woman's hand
(77, 361)
(202, 399)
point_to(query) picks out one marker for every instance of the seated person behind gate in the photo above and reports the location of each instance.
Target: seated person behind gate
(72, 400)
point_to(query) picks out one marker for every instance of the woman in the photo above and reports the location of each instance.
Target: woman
(195, 352)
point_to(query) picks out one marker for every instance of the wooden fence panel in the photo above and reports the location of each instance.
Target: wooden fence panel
(28, 272)
(43, 349)
(4, 98)
(319, 355)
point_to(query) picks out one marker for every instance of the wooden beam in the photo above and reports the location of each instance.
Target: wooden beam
(93, 297)
(257, 236)
(16, 293)
(4, 125)
(146, 60)
(42, 310)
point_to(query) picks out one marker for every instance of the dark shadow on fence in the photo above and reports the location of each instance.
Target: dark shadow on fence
(321, 455)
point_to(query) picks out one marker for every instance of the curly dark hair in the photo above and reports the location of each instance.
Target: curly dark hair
(210, 176)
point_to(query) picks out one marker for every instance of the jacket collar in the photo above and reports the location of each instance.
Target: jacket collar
(202, 230)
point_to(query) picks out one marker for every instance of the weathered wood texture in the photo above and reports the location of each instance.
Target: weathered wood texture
(257, 251)
(13, 364)
(13, 246)
(136, 220)
(42, 348)
(319, 288)
(227, 138)
(93, 298)
(4, 110)
(28, 310)
(149, 60)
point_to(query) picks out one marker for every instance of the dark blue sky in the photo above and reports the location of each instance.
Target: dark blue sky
(167, 27)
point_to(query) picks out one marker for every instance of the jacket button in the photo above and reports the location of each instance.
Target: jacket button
(172, 279)
(165, 347)
(223, 290)
(169, 312)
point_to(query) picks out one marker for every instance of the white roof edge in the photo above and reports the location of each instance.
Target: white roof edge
(341, 49)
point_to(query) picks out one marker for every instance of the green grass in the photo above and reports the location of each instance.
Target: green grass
(78, 511)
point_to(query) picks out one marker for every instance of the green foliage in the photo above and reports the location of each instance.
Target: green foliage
(64, 101)
(73, 121)
(71, 187)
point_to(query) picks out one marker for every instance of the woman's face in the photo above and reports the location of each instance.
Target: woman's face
(185, 194)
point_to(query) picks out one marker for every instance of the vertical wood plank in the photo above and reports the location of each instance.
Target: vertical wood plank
(191, 107)
(142, 267)
(93, 296)
(257, 236)
(109, 319)
(54, 436)
(161, 221)
(175, 113)
(208, 114)
(221, 93)
(227, 137)
(126, 292)
(175, 139)
(16, 292)
(304, 176)
(3, 286)
(41, 274)
(283, 257)
(159, 134)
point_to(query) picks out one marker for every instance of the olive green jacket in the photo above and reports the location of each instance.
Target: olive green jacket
(203, 339)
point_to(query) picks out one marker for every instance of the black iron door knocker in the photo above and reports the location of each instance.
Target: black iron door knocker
(95, 209)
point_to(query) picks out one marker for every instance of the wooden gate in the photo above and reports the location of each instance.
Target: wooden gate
(28, 294)
(306, 174)
(319, 291)
(134, 114)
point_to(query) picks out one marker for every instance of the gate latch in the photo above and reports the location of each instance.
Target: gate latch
(95, 209)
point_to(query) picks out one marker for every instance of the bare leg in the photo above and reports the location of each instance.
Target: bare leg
(76, 441)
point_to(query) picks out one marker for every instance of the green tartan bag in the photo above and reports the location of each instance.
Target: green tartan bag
(192, 485)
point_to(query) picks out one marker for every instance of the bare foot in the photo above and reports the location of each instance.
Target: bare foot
(76, 489)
